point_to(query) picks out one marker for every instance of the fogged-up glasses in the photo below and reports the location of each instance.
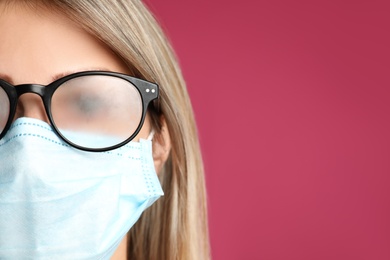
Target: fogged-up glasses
(91, 110)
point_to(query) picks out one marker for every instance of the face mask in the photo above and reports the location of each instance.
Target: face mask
(57, 202)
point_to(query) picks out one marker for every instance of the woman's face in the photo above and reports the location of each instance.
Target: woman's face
(37, 47)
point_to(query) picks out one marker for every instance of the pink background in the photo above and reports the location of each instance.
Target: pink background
(292, 100)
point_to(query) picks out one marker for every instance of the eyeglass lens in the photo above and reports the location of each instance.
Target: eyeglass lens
(96, 111)
(4, 109)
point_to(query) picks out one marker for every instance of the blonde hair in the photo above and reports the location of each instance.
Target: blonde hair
(175, 227)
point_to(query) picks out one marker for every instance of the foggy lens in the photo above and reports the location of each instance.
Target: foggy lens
(4, 109)
(96, 111)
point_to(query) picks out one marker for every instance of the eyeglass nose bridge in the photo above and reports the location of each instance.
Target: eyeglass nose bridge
(30, 88)
(29, 107)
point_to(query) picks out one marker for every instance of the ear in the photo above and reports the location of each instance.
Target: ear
(161, 147)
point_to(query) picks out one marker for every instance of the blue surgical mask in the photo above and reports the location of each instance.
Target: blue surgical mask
(57, 202)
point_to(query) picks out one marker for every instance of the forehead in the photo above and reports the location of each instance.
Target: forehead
(38, 43)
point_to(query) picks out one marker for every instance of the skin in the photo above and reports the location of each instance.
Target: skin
(37, 47)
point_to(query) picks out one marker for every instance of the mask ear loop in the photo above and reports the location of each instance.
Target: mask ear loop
(150, 136)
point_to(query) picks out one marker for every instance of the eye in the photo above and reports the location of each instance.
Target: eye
(88, 104)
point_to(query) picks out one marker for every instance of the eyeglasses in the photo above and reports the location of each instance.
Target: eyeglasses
(90, 110)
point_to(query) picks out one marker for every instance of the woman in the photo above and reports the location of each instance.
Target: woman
(73, 41)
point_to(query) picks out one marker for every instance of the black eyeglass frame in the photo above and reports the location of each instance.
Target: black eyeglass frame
(148, 92)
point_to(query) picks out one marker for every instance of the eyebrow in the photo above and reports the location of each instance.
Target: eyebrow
(56, 76)
(67, 73)
(6, 78)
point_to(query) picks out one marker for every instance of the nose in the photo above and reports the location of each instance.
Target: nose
(31, 105)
